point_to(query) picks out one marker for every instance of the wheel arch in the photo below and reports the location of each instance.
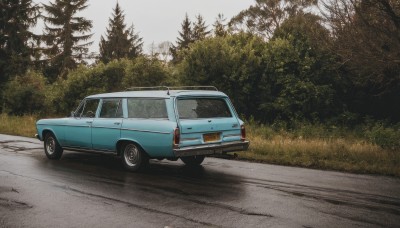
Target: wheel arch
(49, 130)
(46, 131)
(122, 142)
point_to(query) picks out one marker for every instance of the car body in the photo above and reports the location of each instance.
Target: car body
(143, 124)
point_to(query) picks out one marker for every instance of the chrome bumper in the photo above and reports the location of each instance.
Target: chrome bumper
(211, 149)
(37, 136)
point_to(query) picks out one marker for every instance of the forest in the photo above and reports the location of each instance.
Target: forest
(284, 64)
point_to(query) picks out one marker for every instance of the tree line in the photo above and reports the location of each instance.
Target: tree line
(335, 61)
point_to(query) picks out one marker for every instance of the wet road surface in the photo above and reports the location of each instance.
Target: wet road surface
(92, 190)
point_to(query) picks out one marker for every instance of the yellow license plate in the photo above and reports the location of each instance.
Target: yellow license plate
(211, 137)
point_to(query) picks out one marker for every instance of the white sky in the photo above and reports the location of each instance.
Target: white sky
(155, 20)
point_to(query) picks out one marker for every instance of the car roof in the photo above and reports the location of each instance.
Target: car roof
(159, 94)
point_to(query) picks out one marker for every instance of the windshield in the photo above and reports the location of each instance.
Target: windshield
(196, 108)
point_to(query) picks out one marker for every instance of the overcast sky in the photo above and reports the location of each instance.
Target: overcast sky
(156, 20)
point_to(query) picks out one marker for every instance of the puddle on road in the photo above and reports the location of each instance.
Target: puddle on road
(19, 146)
(11, 204)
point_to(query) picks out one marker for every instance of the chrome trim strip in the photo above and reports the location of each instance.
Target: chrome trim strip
(215, 148)
(207, 132)
(158, 132)
(106, 127)
(230, 117)
(190, 139)
(65, 125)
(127, 129)
(87, 150)
(155, 119)
(232, 135)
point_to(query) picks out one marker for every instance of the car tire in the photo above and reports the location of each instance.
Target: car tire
(193, 160)
(52, 148)
(133, 157)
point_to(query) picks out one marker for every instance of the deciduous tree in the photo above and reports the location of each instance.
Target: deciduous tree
(267, 15)
(367, 40)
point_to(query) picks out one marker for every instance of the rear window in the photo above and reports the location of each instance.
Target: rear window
(195, 108)
(147, 108)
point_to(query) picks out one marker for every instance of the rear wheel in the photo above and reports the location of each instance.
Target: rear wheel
(133, 157)
(52, 148)
(193, 160)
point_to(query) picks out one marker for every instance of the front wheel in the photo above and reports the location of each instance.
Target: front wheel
(193, 160)
(52, 148)
(133, 157)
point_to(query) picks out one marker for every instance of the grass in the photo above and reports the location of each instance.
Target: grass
(340, 149)
(18, 125)
(312, 146)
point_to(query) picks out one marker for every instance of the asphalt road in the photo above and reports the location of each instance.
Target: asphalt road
(92, 190)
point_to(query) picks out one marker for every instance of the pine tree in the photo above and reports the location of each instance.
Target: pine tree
(120, 42)
(184, 40)
(66, 38)
(199, 29)
(135, 43)
(219, 26)
(16, 41)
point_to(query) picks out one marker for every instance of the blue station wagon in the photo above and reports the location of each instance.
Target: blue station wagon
(141, 124)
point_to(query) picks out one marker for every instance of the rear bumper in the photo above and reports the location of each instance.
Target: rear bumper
(211, 149)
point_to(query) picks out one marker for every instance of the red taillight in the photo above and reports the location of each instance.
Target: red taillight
(243, 132)
(177, 136)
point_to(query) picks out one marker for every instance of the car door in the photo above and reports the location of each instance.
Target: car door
(78, 132)
(106, 129)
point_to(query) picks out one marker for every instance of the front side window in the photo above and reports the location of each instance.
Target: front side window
(147, 108)
(88, 108)
(196, 108)
(111, 108)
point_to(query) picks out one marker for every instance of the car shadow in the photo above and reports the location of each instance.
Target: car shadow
(159, 177)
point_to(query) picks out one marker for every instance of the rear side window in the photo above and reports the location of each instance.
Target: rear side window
(147, 108)
(195, 108)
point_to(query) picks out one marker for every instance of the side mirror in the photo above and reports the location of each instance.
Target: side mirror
(72, 114)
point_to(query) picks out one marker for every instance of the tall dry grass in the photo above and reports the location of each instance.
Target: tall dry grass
(346, 153)
(18, 125)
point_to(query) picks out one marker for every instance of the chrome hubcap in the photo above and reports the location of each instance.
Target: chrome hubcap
(50, 145)
(131, 155)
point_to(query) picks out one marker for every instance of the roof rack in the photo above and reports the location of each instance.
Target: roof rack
(173, 88)
(194, 87)
(147, 88)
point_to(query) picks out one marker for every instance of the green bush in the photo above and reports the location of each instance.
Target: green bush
(277, 80)
(25, 94)
(115, 76)
(144, 72)
(387, 137)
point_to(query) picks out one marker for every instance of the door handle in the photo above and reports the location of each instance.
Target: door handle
(117, 123)
(89, 122)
